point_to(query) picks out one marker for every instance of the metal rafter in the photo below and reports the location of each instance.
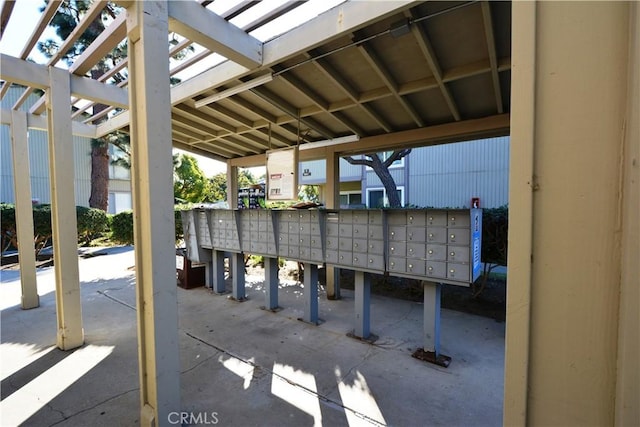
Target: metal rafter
(249, 126)
(491, 48)
(333, 74)
(427, 50)
(194, 125)
(292, 111)
(224, 151)
(383, 72)
(203, 117)
(318, 101)
(229, 144)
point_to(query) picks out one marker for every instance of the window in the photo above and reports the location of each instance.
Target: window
(377, 197)
(119, 202)
(350, 199)
(384, 155)
(116, 171)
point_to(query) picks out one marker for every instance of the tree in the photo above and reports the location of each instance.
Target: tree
(189, 182)
(381, 167)
(218, 184)
(309, 193)
(65, 21)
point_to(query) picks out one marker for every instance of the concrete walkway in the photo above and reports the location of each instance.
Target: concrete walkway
(243, 366)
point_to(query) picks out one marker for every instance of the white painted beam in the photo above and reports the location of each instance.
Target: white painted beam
(115, 123)
(5, 14)
(35, 75)
(330, 25)
(24, 73)
(343, 19)
(153, 223)
(106, 41)
(101, 93)
(40, 122)
(197, 23)
(101, 46)
(48, 13)
(63, 212)
(24, 213)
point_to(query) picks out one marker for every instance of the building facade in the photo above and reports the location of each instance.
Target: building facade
(441, 176)
(119, 177)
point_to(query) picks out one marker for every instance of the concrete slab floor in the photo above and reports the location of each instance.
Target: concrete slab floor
(243, 366)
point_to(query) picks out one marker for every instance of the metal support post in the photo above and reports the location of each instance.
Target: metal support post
(271, 283)
(237, 279)
(63, 212)
(217, 273)
(362, 284)
(153, 223)
(24, 214)
(431, 327)
(311, 293)
(332, 201)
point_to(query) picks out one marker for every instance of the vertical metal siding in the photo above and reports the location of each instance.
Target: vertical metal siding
(39, 160)
(13, 94)
(39, 165)
(450, 175)
(82, 163)
(372, 179)
(6, 166)
(318, 169)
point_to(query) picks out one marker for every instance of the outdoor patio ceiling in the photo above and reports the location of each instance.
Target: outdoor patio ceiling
(360, 68)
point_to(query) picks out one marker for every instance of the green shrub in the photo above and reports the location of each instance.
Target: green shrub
(495, 225)
(91, 223)
(122, 226)
(7, 225)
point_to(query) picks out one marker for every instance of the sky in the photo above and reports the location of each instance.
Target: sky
(26, 14)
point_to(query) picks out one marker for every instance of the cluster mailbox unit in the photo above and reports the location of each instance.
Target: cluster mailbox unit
(432, 245)
(437, 245)
(301, 235)
(355, 239)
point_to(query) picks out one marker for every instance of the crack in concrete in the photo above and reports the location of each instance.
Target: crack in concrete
(119, 301)
(199, 363)
(88, 409)
(325, 400)
(64, 418)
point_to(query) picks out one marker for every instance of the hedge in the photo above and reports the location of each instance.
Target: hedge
(122, 226)
(91, 222)
(495, 225)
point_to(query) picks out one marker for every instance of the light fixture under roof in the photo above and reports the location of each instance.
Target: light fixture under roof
(235, 90)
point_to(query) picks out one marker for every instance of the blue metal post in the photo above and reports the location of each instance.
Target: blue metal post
(237, 280)
(363, 304)
(271, 283)
(310, 293)
(217, 272)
